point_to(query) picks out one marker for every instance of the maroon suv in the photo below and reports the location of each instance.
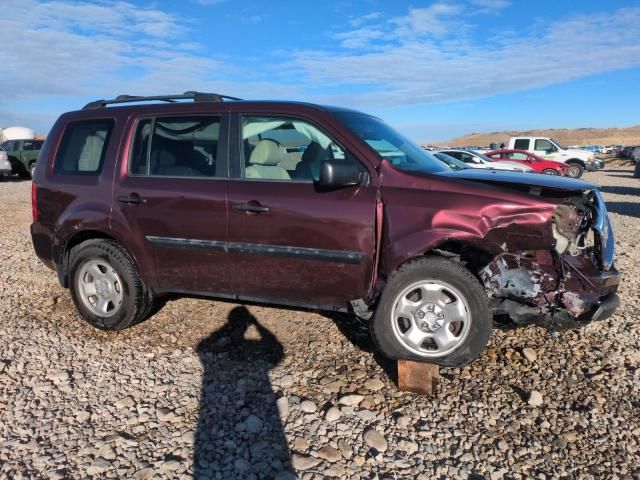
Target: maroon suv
(311, 206)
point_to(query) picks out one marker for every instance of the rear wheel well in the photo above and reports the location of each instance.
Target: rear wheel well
(74, 241)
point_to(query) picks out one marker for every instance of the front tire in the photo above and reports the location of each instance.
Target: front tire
(575, 170)
(549, 171)
(32, 169)
(432, 310)
(105, 285)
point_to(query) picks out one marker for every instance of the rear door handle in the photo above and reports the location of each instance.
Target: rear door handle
(132, 199)
(253, 207)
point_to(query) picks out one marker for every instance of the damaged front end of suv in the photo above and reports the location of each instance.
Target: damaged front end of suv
(565, 284)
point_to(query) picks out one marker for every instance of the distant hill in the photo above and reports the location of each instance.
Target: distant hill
(566, 136)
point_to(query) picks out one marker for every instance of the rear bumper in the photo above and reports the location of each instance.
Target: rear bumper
(5, 167)
(42, 244)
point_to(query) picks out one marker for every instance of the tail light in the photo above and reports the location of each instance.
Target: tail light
(34, 201)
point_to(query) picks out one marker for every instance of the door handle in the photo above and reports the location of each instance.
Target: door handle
(252, 207)
(132, 199)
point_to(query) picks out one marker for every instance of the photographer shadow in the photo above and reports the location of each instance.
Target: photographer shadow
(239, 433)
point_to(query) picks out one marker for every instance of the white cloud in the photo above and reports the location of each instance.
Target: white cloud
(359, 38)
(491, 4)
(357, 21)
(410, 60)
(436, 19)
(65, 48)
(209, 2)
(70, 48)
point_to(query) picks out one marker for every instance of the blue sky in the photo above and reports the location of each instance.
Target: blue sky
(433, 69)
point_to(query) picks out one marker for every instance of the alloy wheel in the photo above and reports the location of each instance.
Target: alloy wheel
(431, 318)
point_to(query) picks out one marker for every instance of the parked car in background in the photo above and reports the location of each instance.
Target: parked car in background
(625, 152)
(133, 202)
(539, 164)
(478, 160)
(22, 155)
(578, 160)
(612, 149)
(593, 148)
(5, 165)
(451, 162)
(635, 156)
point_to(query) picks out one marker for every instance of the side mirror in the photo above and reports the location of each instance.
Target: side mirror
(339, 174)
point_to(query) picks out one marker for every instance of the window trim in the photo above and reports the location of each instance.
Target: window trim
(221, 151)
(238, 172)
(105, 148)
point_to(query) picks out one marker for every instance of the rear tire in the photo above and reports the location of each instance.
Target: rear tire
(550, 171)
(636, 171)
(105, 285)
(32, 168)
(575, 170)
(432, 332)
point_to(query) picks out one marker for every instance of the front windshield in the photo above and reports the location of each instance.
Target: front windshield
(389, 144)
(558, 144)
(484, 157)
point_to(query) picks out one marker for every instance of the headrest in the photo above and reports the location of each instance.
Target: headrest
(266, 152)
(165, 159)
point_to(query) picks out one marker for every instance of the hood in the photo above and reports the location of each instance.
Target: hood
(576, 152)
(520, 180)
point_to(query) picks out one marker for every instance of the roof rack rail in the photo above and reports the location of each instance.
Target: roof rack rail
(189, 95)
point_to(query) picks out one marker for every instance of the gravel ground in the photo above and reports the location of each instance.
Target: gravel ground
(218, 390)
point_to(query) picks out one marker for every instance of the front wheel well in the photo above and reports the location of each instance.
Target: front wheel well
(474, 258)
(576, 160)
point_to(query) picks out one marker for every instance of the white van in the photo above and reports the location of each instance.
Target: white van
(578, 160)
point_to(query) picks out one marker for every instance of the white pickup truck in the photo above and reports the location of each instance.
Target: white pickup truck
(578, 160)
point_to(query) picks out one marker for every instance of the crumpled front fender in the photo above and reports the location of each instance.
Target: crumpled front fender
(494, 228)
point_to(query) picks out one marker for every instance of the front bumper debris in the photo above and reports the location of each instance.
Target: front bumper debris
(593, 165)
(534, 290)
(607, 307)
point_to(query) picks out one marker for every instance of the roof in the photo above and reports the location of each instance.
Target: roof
(144, 102)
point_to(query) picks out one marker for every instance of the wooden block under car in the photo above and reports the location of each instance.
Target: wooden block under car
(418, 377)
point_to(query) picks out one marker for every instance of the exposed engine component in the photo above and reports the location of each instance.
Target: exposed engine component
(549, 286)
(571, 224)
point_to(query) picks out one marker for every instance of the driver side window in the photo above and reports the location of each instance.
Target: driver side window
(285, 149)
(543, 145)
(468, 158)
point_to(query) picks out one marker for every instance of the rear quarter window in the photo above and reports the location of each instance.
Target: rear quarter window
(521, 144)
(83, 147)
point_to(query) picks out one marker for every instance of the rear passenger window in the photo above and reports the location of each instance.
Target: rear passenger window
(521, 144)
(83, 147)
(178, 147)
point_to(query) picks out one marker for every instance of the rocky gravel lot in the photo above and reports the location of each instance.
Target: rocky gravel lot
(216, 390)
